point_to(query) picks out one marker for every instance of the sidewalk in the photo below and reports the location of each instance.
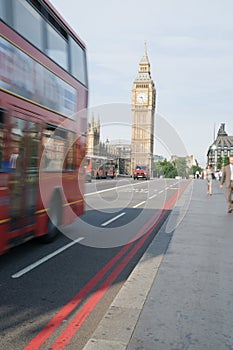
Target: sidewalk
(180, 295)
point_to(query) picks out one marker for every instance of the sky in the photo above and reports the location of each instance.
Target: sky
(190, 49)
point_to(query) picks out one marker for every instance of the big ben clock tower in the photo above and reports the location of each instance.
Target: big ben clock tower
(143, 114)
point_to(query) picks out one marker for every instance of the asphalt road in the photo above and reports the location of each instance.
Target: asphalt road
(53, 296)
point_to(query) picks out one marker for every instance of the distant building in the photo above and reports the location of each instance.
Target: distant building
(158, 158)
(190, 160)
(120, 147)
(121, 150)
(221, 149)
(93, 136)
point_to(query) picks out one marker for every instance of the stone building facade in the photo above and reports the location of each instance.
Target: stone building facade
(143, 115)
(93, 136)
(221, 149)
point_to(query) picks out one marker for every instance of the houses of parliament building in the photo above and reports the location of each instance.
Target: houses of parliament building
(143, 103)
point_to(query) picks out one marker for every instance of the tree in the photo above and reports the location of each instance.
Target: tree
(181, 166)
(194, 169)
(170, 170)
(219, 163)
(158, 171)
(166, 169)
(226, 160)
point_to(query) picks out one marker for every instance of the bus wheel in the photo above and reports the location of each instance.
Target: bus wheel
(54, 218)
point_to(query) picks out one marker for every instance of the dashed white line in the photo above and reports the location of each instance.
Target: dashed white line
(113, 219)
(111, 189)
(46, 258)
(154, 195)
(138, 205)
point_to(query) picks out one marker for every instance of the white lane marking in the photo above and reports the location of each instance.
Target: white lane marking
(154, 195)
(175, 183)
(161, 191)
(113, 219)
(113, 188)
(42, 260)
(138, 205)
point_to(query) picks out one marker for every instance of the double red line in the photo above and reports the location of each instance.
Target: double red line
(88, 307)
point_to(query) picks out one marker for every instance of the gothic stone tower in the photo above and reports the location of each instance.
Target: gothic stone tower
(93, 136)
(143, 111)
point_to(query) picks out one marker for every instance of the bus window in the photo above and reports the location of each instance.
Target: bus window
(58, 149)
(32, 156)
(26, 18)
(57, 47)
(32, 145)
(69, 158)
(78, 62)
(16, 165)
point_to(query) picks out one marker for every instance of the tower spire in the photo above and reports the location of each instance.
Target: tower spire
(145, 48)
(145, 59)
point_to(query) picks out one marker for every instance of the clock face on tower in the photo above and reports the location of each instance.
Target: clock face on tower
(141, 97)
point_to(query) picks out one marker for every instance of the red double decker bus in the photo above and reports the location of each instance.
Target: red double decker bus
(43, 100)
(100, 167)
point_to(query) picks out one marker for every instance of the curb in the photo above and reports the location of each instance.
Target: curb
(117, 326)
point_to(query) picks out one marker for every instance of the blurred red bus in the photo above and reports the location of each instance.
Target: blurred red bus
(95, 165)
(43, 100)
(101, 167)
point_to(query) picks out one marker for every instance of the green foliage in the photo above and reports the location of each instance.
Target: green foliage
(219, 163)
(158, 169)
(226, 161)
(175, 168)
(195, 168)
(166, 169)
(181, 166)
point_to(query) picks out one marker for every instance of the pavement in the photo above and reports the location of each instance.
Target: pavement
(180, 294)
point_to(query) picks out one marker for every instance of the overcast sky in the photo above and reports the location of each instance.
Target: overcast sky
(190, 48)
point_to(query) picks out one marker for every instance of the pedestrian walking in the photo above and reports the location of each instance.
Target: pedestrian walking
(209, 179)
(227, 178)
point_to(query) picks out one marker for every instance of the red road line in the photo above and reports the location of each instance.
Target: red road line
(53, 324)
(88, 307)
(45, 333)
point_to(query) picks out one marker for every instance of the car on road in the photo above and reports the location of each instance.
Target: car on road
(111, 173)
(141, 172)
